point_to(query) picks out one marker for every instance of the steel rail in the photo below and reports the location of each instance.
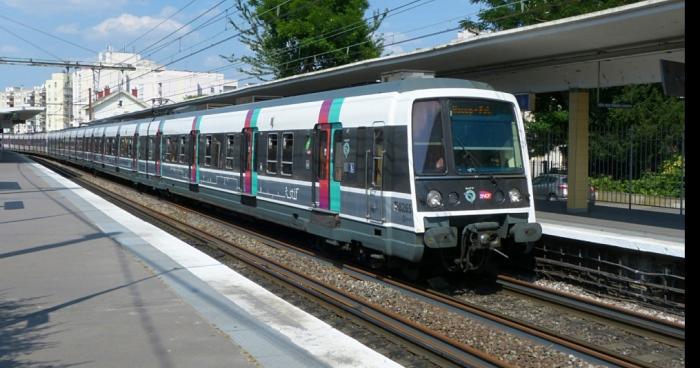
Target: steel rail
(630, 318)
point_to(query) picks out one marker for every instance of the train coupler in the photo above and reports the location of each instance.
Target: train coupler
(476, 243)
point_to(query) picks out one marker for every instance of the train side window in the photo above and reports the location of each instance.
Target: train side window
(142, 148)
(272, 147)
(124, 147)
(114, 146)
(168, 149)
(207, 151)
(182, 152)
(151, 148)
(230, 152)
(338, 155)
(287, 153)
(173, 150)
(378, 157)
(215, 151)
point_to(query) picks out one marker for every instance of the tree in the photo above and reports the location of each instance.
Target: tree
(290, 37)
(506, 14)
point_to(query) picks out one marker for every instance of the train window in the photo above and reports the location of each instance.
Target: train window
(215, 151)
(485, 137)
(378, 157)
(428, 146)
(338, 155)
(287, 153)
(123, 147)
(323, 154)
(168, 149)
(230, 151)
(207, 151)
(182, 152)
(151, 147)
(114, 146)
(272, 153)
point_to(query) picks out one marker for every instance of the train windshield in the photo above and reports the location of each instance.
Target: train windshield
(484, 137)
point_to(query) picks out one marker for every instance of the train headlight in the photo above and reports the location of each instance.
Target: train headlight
(434, 199)
(515, 195)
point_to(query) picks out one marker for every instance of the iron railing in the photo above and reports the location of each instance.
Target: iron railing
(632, 166)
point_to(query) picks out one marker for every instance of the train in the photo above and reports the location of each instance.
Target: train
(404, 170)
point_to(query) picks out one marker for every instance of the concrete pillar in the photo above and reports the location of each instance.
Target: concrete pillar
(577, 201)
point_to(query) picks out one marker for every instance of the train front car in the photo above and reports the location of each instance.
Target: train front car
(470, 177)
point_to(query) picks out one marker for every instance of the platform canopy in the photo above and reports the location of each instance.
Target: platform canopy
(10, 116)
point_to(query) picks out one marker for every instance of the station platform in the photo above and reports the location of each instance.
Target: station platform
(84, 283)
(644, 229)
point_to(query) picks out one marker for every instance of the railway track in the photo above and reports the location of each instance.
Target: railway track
(654, 326)
(450, 349)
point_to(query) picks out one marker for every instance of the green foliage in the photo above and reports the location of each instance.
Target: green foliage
(667, 182)
(298, 36)
(506, 14)
(549, 125)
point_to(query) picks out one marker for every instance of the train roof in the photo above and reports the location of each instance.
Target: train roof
(400, 86)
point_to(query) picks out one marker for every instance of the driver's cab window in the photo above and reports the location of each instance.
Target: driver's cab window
(428, 139)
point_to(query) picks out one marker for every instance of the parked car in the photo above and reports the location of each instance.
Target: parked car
(554, 187)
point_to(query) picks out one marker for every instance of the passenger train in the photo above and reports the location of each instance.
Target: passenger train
(397, 170)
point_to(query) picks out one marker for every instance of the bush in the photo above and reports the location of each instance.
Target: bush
(665, 183)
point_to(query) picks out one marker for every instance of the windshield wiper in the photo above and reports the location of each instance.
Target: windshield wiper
(466, 153)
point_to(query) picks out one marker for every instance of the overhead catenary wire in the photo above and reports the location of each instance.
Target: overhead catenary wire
(160, 24)
(33, 44)
(48, 34)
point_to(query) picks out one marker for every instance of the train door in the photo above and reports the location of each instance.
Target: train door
(325, 189)
(249, 176)
(374, 172)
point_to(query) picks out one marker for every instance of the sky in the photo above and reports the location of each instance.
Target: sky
(76, 30)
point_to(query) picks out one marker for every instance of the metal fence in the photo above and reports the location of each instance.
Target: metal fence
(627, 165)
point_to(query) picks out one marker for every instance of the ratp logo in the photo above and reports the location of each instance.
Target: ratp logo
(469, 195)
